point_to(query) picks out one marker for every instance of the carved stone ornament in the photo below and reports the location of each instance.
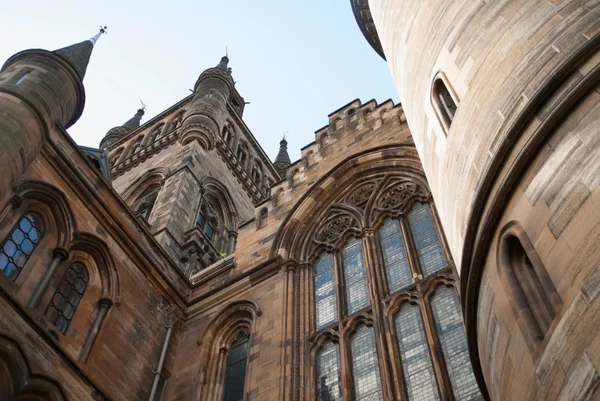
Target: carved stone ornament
(334, 229)
(398, 195)
(360, 196)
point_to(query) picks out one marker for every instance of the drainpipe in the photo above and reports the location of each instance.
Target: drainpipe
(163, 353)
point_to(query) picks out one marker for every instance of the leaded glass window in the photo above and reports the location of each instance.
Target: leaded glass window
(448, 321)
(66, 299)
(419, 376)
(397, 267)
(426, 238)
(357, 294)
(365, 365)
(236, 369)
(328, 373)
(20, 245)
(325, 296)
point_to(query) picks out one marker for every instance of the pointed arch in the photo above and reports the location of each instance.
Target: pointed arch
(235, 318)
(215, 188)
(150, 179)
(16, 379)
(292, 239)
(52, 205)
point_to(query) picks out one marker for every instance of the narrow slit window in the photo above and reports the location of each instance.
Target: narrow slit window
(67, 297)
(328, 373)
(23, 76)
(443, 102)
(397, 267)
(427, 240)
(357, 294)
(325, 296)
(235, 377)
(451, 332)
(20, 245)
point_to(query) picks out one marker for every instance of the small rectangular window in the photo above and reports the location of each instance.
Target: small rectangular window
(443, 102)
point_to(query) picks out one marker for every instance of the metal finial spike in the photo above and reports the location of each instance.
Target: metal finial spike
(226, 52)
(101, 32)
(143, 105)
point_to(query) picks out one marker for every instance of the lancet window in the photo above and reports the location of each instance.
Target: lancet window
(235, 376)
(444, 101)
(399, 272)
(67, 297)
(21, 243)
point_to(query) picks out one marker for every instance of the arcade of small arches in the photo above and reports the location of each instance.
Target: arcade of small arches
(69, 276)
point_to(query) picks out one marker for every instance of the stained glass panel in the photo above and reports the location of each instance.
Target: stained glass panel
(357, 294)
(328, 373)
(449, 324)
(65, 300)
(20, 245)
(397, 268)
(427, 240)
(419, 375)
(365, 365)
(325, 296)
(236, 369)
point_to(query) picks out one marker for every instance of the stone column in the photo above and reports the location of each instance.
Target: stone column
(103, 306)
(59, 255)
(232, 242)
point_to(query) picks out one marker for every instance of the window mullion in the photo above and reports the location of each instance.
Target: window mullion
(411, 250)
(340, 285)
(346, 368)
(440, 231)
(436, 349)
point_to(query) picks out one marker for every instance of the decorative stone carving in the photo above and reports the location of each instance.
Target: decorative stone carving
(398, 195)
(359, 197)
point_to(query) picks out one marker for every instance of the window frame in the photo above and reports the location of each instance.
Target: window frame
(441, 110)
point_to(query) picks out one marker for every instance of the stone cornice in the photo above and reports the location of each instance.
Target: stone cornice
(364, 19)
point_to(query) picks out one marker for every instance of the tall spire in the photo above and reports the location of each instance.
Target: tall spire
(78, 55)
(116, 133)
(134, 122)
(282, 161)
(223, 64)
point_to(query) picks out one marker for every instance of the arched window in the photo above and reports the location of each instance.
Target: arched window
(146, 203)
(262, 218)
(20, 245)
(235, 376)
(426, 238)
(65, 300)
(451, 332)
(241, 154)
(135, 146)
(158, 132)
(114, 158)
(365, 371)
(419, 376)
(355, 276)
(528, 281)
(443, 101)
(328, 373)
(325, 296)
(397, 267)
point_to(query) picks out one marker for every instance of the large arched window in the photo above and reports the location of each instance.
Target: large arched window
(235, 377)
(328, 373)
(451, 332)
(18, 248)
(65, 300)
(397, 267)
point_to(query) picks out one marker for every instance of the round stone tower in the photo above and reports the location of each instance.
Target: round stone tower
(40, 91)
(503, 103)
(208, 110)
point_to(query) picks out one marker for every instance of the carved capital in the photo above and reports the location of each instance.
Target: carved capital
(60, 253)
(105, 303)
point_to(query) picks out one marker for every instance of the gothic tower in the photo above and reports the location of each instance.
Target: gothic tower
(194, 172)
(504, 108)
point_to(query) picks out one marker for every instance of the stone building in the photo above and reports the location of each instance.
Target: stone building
(504, 110)
(178, 262)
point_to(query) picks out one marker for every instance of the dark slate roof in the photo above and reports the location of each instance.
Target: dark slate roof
(78, 55)
(282, 156)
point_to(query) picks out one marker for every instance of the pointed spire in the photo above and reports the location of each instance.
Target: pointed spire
(78, 55)
(282, 156)
(134, 122)
(223, 64)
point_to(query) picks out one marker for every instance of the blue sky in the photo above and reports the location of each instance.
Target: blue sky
(294, 61)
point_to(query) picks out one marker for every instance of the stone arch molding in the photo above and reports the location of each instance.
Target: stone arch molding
(17, 380)
(236, 317)
(356, 195)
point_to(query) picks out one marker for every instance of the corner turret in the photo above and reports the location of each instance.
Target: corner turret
(39, 90)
